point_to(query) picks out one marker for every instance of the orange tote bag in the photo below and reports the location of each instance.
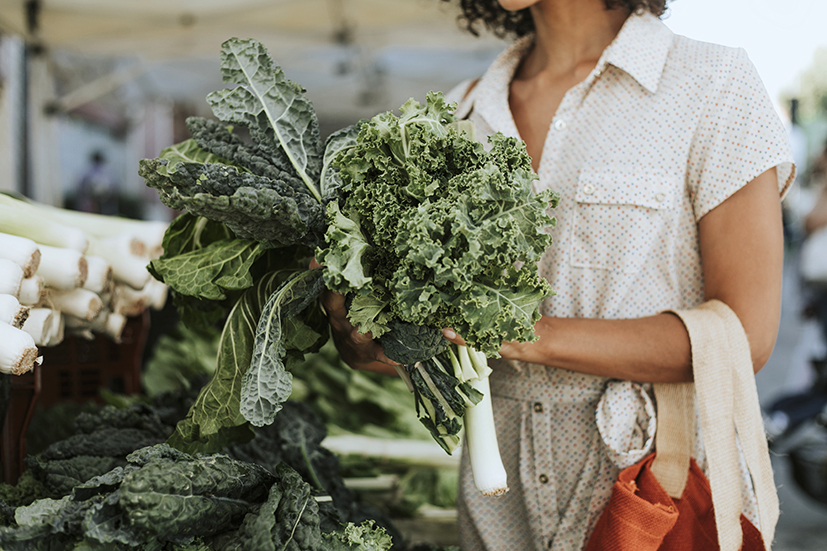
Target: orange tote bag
(665, 502)
(641, 516)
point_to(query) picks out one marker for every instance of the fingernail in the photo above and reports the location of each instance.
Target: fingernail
(449, 334)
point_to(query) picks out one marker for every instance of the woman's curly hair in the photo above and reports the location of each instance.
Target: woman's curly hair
(505, 23)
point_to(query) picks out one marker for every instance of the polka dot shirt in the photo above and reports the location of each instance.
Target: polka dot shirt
(662, 131)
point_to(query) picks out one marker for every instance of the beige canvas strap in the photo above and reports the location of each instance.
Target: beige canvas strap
(727, 401)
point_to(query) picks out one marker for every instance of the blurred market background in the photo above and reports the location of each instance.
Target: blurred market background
(89, 87)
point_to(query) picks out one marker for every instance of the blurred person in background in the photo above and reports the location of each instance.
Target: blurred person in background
(670, 160)
(96, 189)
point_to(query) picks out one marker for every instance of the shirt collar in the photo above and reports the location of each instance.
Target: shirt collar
(640, 49)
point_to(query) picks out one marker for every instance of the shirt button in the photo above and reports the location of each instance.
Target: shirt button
(660, 197)
(538, 407)
(560, 124)
(543, 479)
(588, 189)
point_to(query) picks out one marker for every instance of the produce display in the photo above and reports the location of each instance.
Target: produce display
(418, 224)
(115, 485)
(70, 272)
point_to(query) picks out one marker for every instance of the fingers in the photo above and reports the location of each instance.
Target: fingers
(314, 264)
(360, 338)
(451, 335)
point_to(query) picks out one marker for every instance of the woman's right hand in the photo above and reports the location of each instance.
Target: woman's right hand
(358, 350)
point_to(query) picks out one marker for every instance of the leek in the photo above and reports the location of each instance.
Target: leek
(32, 291)
(80, 303)
(99, 276)
(11, 276)
(24, 222)
(62, 268)
(18, 352)
(20, 250)
(12, 312)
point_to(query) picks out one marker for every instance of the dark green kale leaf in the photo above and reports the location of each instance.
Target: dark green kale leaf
(407, 343)
(252, 206)
(274, 109)
(60, 476)
(179, 497)
(105, 442)
(215, 418)
(218, 139)
(290, 325)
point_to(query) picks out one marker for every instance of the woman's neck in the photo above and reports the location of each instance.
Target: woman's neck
(569, 35)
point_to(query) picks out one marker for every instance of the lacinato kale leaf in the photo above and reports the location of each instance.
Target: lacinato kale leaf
(280, 119)
(179, 497)
(285, 331)
(215, 419)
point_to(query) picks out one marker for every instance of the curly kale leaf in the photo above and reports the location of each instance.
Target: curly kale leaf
(430, 227)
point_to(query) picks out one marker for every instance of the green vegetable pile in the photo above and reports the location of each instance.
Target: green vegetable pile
(421, 226)
(111, 485)
(166, 499)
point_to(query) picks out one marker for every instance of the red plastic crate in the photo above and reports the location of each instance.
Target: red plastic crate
(73, 371)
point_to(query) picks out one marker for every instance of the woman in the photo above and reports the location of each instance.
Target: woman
(670, 162)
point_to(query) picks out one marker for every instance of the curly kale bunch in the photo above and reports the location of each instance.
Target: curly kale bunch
(433, 229)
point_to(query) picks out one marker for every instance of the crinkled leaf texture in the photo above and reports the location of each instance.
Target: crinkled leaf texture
(272, 107)
(186, 237)
(267, 191)
(252, 206)
(430, 229)
(290, 325)
(178, 497)
(215, 418)
(289, 520)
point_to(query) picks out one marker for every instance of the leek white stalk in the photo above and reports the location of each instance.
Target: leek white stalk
(20, 250)
(27, 222)
(61, 268)
(11, 276)
(480, 432)
(127, 268)
(149, 232)
(80, 303)
(18, 352)
(12, 312)
(32, 290)
(57, 329)
(481, 438)
(157, 293)
(41, 325)
(129, 301)
(106, 322)
(99, 276)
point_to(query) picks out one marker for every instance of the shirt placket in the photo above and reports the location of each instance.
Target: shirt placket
(565, 122)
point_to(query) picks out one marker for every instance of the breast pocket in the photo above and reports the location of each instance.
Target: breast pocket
(621, 218)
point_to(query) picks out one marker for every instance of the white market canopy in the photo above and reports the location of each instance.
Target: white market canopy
(353, 56)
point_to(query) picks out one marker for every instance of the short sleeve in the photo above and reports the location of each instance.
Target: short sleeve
(739, 135)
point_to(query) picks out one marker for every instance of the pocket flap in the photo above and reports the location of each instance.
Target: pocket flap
(645, 188)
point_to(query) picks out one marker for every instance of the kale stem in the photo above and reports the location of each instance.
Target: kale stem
(313, 476)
